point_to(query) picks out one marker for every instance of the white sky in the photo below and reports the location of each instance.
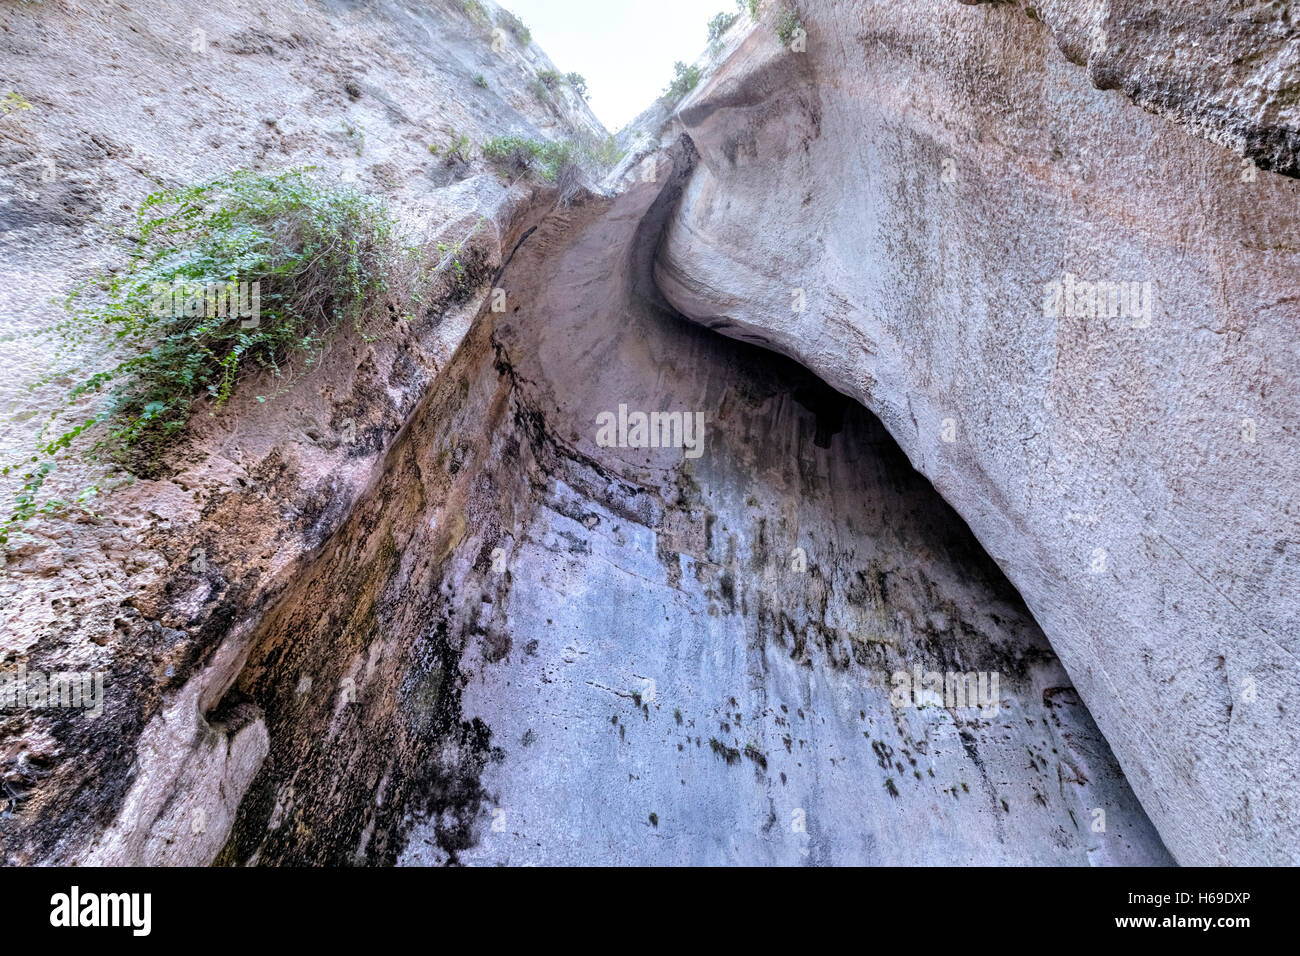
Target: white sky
(624, 48)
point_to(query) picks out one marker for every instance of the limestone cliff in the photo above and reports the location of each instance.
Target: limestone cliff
(417, 610)
(929, 182)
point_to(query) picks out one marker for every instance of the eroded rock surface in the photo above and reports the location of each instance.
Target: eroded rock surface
(160, 589)
(524, 647)
(917, 180)
(472, 633)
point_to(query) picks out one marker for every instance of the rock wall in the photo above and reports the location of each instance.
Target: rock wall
(916, 181)
(149, 584)
(476, 633)
(525, 647)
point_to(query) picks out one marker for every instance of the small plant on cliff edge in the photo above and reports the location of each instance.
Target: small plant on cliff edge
(686, 79)
(356, 135)
(515, 27)
(577, 82)
(14, 103)
(316, 256)
(565, 163)
(788, 26)
(457, 149)
(518, 155)
(476, 11)
(720, 24)
(514, 155)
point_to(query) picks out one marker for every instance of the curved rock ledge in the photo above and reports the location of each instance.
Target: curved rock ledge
(1135, 474)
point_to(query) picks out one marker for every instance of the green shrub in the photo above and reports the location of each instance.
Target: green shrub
(787, 25)
(751, 6)
(310, 256)
(518, 155)
(720, 24)
(515, 27)
(457, 149)
(577, 82)
(565, 163)
(515, 154)
(687, 78)
(559, 163)
(480, 80)
(548, 81)
(25, 499)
